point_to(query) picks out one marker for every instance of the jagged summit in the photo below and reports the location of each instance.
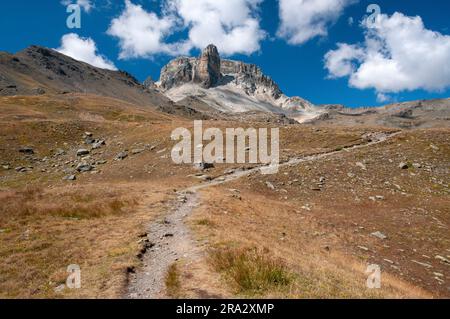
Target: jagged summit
(228, 85)
(208, 72)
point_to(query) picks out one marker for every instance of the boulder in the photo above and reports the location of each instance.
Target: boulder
(84, 167)
(82, 152)
(121, 156)
(379, 235)
(26, 150)
(98, 144)
(89, 140)
(70, 178)
(203, 166)
(137, 151)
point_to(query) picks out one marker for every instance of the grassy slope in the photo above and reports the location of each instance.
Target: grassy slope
(96, 221)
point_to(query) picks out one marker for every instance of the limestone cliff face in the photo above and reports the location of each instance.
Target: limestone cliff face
(211, 72)
(250, 78)
(207, 69)
(177, 72)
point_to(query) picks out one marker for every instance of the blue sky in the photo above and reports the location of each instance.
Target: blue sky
(411, 58)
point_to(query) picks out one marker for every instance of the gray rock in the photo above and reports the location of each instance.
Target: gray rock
(121, 156)
(60, 152)
(98, 144)
(379, 235)
(84, 167)
(443, 259)
(60, 289)
(361, 165)
(26, 150)
(270, 185)
(101, 162)
(203, 166)
(70, 178)
(403, 165)
(137, 151)
(422, 264)
(22, 169)
(89, 140)
(82, 152)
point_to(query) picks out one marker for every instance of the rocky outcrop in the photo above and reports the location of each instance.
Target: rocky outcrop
(207, 70)
(177, 72)
(204, 70)
(250, 78)
(226, 85)
(149, 83)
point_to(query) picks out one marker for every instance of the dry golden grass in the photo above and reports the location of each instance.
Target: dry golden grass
(253, 271)
(172, 281)
(319, 233)
(45, 231)
(292, 240)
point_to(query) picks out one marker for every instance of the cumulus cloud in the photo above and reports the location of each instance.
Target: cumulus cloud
(142, 33)
(340, 62)
(230, 24)
(84, 49)
(302, 20)
(398, 54)
(87, 5)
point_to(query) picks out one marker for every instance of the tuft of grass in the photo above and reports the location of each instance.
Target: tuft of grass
(205, 222)
(251, 270)
(33, 201)
(172, 281)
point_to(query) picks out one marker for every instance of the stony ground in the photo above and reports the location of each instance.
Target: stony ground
(97, 172)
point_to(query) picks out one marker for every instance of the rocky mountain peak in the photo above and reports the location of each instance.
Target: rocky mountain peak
(207, 71)
(228, 85)
(210, 70)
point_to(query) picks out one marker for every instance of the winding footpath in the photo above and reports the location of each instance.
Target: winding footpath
(170, 240)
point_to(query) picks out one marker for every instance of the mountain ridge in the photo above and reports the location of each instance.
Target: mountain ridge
(205, 87)
(209, 78)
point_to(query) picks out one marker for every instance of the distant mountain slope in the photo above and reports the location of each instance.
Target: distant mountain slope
(37, 70)
(414, 114)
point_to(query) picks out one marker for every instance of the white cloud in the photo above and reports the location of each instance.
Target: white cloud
(340, 62)
(399, 54)
(231, 25)
(84, 49)
(382, 97)
(302, 20)
(142, 33)
(87, 5)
